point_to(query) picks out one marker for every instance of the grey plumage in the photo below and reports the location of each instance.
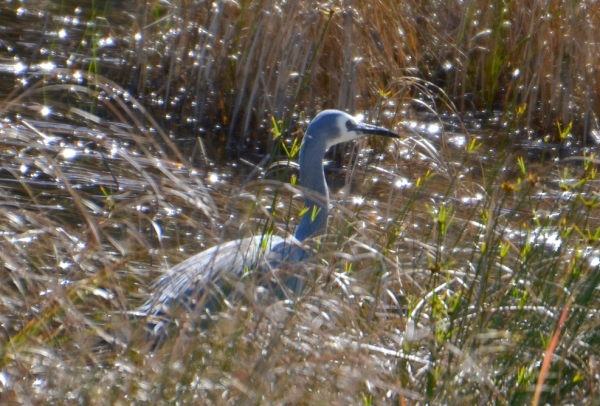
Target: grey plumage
(188, 281)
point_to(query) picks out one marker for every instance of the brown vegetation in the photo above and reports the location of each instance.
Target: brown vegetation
(453, 270)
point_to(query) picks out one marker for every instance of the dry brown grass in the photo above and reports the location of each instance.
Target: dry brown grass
(445, 285)
(224, 68)
(406, 304)
(239, 63)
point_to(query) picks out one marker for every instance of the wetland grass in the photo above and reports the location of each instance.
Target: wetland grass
(458, 267)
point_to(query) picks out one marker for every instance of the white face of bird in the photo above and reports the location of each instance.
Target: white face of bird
(348, 128)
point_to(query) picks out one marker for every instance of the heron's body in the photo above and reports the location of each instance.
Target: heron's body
(188, 281)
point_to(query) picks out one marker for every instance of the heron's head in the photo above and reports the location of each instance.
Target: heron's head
(328, 128)
(334, 126)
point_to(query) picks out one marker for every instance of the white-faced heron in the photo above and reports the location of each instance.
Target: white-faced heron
(188, 282)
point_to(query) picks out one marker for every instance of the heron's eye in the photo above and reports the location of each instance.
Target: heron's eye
(350, 125)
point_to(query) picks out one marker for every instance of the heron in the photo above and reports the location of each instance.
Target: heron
(187, 282)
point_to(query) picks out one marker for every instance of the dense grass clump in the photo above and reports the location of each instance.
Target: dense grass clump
(243, 62)
(223, 68)
(444, 274)
(457, 267)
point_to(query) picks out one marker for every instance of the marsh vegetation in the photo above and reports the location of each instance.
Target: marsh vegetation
(460, 263)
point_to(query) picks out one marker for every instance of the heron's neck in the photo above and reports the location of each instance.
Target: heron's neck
(313, 177)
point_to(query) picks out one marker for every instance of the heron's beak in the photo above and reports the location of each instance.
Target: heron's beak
(372, 129)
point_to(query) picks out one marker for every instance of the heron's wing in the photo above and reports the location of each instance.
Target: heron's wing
(205, 268)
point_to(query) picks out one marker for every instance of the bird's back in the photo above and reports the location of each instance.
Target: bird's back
(199, 279)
